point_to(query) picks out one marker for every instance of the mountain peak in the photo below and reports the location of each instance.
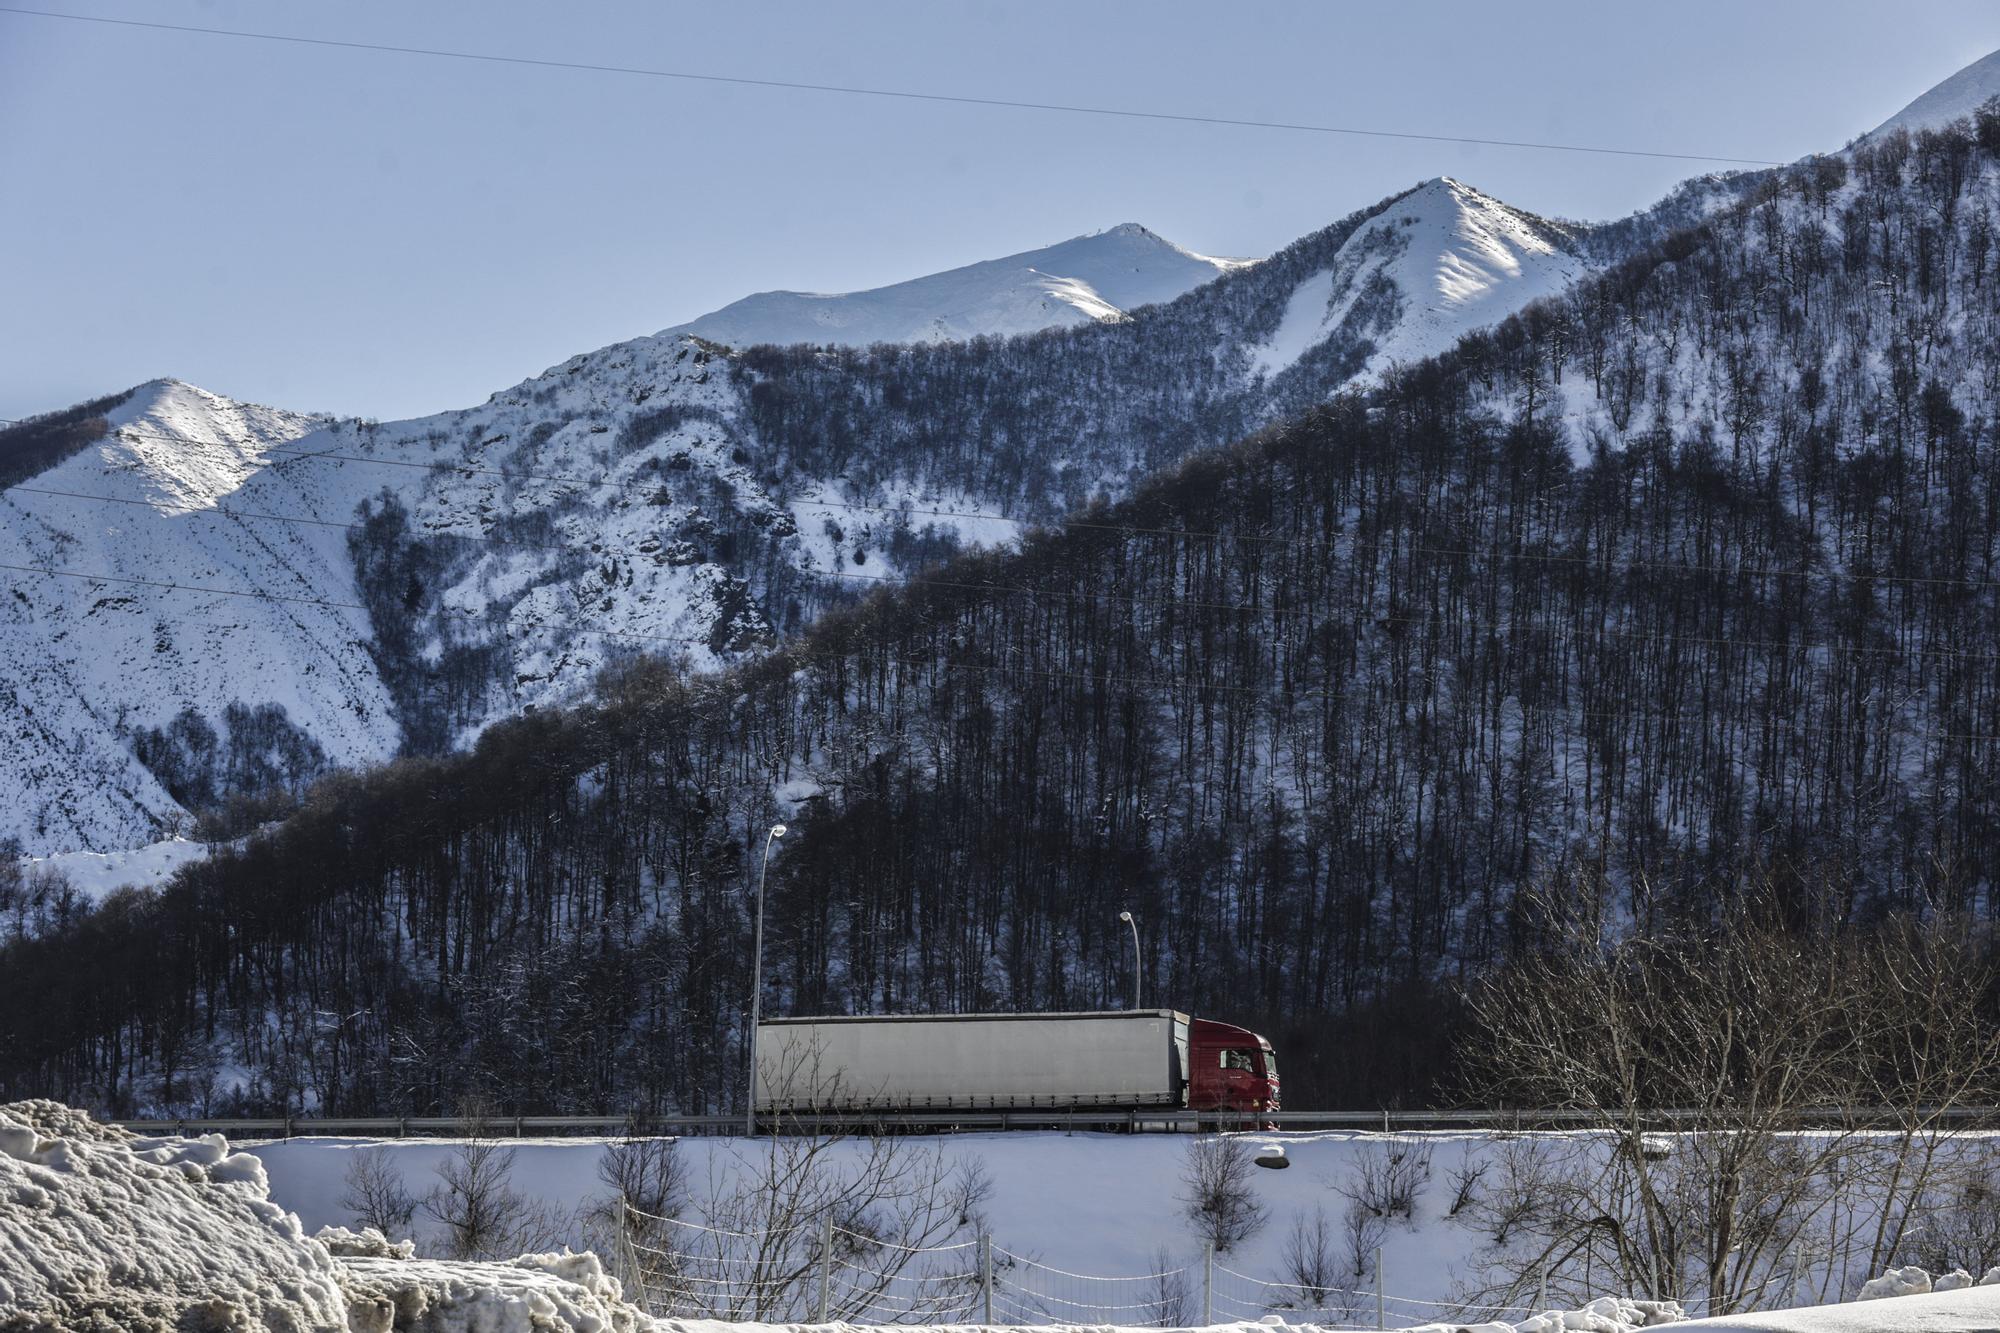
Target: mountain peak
(1957, 97)
(1082, 280)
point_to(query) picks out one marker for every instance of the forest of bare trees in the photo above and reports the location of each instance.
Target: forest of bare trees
(1682, 581)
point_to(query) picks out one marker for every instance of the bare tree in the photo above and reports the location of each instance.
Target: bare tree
(1218, 1193)
(477, 1207)
(752, 1248)
(1743, 1027)
(376, 1194)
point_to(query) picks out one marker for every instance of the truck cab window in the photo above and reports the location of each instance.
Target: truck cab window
(1237, 1060)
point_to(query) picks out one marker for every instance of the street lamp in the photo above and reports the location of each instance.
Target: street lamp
(1126, 917)
(757, 981)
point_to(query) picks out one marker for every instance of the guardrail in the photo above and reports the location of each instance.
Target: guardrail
(524, 1126)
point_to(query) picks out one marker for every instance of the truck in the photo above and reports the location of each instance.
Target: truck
(1119, 1060)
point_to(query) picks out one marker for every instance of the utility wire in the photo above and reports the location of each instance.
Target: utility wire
(903, 94)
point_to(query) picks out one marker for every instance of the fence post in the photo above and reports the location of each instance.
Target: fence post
(628, 1256)
(1208, 1284)
(986, 1279)
(825, 1265)
(1381, 1321)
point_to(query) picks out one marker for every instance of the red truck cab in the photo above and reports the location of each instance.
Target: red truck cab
(1230, 1069)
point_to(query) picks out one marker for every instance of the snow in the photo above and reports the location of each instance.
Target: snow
(1967, 1310)
(1957, 97)
(96, 874)
(1086, 279)
(101, 1229)
(1450, 258)
(1088, 1203)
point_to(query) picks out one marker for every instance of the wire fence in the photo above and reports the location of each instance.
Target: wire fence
(823, 1272)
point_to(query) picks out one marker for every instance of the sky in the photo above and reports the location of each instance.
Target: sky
(389, 235)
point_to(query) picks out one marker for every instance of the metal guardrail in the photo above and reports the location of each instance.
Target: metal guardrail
(975, 1120)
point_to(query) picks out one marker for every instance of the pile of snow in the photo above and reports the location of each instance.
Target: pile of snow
(1969, 1310)
(534, 1292)
(101, 1229)
(1085, 279)
(1915, 1281)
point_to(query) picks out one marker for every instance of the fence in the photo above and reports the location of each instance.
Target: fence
(519, 1126)
(822, 1272)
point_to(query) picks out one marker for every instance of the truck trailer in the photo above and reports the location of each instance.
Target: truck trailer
(1136, 1059)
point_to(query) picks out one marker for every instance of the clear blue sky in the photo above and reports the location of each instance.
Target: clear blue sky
(388, 235)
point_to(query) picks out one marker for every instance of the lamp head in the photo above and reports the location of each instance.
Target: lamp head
(1124, 916)
(777, 830)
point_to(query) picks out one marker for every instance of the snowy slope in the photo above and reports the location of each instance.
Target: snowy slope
(1088, 278)
(82, 662)
(1957, 97)
(1438, 263)
(637, 499)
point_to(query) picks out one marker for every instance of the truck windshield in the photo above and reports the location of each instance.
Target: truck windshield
(1270, 1064)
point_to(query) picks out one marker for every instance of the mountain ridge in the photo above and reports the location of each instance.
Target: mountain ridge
(1099, 276)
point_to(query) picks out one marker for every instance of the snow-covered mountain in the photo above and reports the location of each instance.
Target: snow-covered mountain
(417, 581)
(1085, 279)
(1436, 264)
(1957, 97)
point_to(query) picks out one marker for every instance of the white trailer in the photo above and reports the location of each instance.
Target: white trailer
(1130, 1058)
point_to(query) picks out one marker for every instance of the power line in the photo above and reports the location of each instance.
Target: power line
(903, 94)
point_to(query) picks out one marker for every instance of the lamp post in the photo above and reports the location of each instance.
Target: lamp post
(1126, 917)
(757, 982)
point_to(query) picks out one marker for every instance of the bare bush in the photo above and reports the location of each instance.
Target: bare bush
(1169, 1300)
(1364, 1231)
(1961, 1228)
(1311, 1266)
(376, 1195)
(1217, 1191)
(1464, 1182)
(1389, 1179)
(768, 1209)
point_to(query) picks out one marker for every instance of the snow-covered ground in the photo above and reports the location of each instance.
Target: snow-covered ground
(102, 1229)
(1085, 279)
(96, 874)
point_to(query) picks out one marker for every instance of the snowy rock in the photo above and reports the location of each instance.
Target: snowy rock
(1956, 1280)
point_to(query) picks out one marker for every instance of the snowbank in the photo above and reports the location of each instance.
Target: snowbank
(1968, 1310)
(101, 1229)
